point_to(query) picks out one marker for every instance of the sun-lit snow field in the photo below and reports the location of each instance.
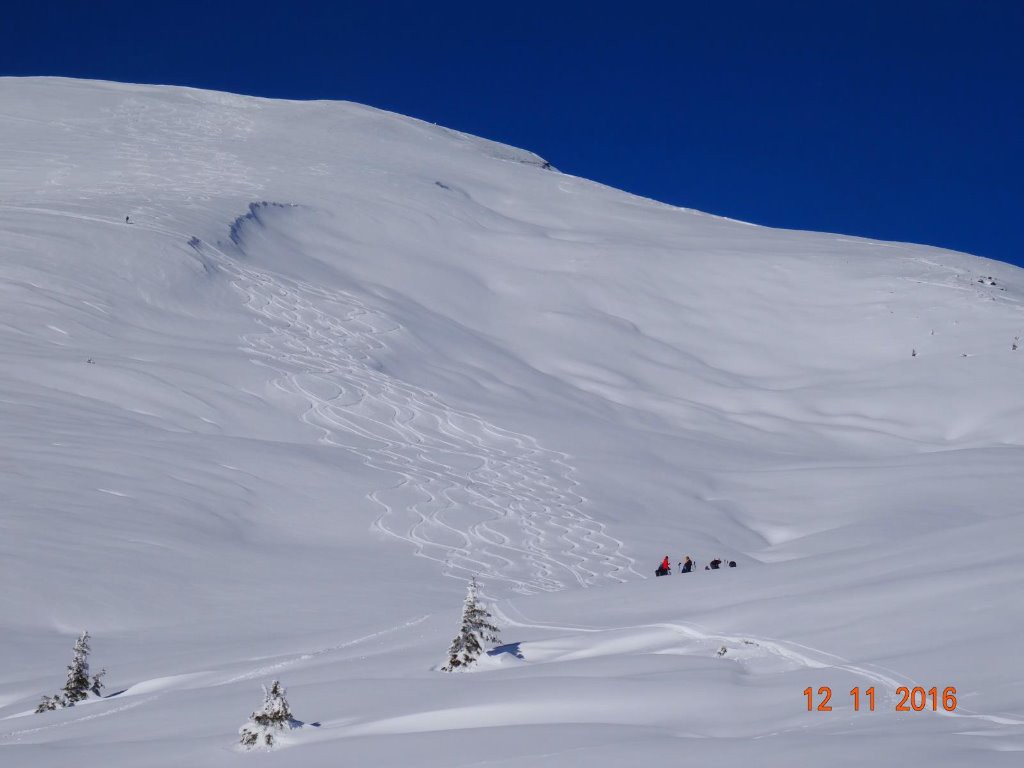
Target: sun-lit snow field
(339, 361)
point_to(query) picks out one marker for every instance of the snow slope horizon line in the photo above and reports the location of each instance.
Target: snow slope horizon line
(217, 96)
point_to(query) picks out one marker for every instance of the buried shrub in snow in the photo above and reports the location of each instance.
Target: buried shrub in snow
(48, 704)
(79, 684)
(273, 719)
(476, 630)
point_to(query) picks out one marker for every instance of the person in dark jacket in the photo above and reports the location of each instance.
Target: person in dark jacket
(732, 563)
(665, 568)
(715, 563)
(686, 566)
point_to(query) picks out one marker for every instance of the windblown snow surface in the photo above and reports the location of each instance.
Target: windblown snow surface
(340, 361)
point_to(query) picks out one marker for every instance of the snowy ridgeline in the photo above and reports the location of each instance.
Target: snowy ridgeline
(280, 378)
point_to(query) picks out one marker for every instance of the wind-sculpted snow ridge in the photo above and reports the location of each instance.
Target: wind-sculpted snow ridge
(235, 232)
(472, 496)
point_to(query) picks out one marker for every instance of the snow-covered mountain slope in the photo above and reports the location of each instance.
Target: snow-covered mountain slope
(338, 361)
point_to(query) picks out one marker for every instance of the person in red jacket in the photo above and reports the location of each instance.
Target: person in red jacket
(663, 569)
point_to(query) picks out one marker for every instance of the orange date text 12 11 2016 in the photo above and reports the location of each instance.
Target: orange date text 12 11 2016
(914, 699)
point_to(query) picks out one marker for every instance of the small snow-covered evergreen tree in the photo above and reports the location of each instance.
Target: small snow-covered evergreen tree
(273, 719)
(476, 630)
(48, 704)
(79, 684)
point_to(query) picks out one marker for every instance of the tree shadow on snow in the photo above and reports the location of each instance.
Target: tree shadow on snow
(510, 648)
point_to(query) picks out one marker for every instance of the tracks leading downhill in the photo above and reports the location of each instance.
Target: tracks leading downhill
(470, 495)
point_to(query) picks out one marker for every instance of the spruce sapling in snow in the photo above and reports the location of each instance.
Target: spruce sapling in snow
(79, 684)
(476, 630)
(273, 719)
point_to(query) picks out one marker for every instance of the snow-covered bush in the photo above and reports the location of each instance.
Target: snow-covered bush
(48, 704)
(476, 630)
(275, 717)
(79, 683)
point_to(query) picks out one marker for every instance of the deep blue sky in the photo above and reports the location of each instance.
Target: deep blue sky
(899, 120)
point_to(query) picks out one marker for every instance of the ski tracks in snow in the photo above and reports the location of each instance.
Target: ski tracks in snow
(474, 497)
(797, 653)
(147, 691)
(270, 670)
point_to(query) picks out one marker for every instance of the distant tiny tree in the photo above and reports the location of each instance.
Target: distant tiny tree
(79, 684)
(274, 718)
(476, 629)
